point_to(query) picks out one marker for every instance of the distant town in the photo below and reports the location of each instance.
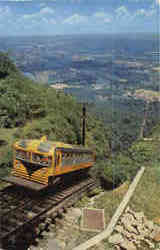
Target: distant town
(103, 65)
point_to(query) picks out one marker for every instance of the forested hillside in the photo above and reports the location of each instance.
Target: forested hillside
(30, 110)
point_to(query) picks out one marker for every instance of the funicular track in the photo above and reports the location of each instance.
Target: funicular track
(22, 210)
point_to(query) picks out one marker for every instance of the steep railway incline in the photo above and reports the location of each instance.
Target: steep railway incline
(22, 210)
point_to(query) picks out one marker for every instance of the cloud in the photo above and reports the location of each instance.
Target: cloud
(42, 16)
(5, 10)
(19, 0)
(42, 4)
(75, 19)
(41, 20)
(52, 21)
(100, 14)
(145, 13)
(138, 1)
(122, 11)
(107, 20)
(102, 17)
(5, 14)
(46, 10)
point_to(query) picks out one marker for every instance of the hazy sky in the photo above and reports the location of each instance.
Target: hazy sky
(36, 17)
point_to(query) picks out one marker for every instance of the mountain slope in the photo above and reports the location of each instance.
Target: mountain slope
(30, 110)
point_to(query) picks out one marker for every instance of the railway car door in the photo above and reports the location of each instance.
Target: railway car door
(58, 156)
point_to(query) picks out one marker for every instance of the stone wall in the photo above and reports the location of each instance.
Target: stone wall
(133, 231)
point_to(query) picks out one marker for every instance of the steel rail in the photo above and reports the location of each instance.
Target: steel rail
(30, 210)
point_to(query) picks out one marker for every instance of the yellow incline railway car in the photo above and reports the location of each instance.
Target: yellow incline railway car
(37, 163)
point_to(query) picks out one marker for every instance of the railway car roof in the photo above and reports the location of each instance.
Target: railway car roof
(40, 146)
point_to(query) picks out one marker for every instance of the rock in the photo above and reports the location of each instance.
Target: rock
(42, 226)
(131, 229)
(51, 235)
(119, 229)
(116, 239)
(136, 242)
(128, 219)
(53, 244)
(71, 244)
(128, 245)
(74, 214)
(140, 216)
(117, 247)
(140, 228)
(143, 231)
(76, 227)
(128, 235)
(30, 215)
(52, 226)
(37, 240)
(150, 244)
(127, 210)
(61, 244)
(149, 224)
(48, 220)
(32, 248)
(157, 220)
(130, 211)
(155, 235)
(45, 234)
(59, 222)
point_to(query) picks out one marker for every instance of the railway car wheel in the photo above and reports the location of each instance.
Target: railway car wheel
(11, 243)
(53, 180)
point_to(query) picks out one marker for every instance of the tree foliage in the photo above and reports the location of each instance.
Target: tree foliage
(7, 67)
(35, 110)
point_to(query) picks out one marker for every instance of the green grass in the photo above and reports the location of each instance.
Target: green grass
(110, 201)
(7, 134)
(146, 195)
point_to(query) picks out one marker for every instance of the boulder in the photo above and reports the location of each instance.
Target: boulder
(128, 219)
(75, 213)
(116, 239)
(157, 220)
(53, 244)
(149, 224)
(130, 228)
(155, 235)
(149, 243)
(127, 245)
(119, 229)
(140, 217)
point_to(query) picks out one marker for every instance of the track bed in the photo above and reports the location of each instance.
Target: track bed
(22, 210)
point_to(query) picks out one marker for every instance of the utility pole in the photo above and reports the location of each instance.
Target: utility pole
(84, 124)
(144, 120)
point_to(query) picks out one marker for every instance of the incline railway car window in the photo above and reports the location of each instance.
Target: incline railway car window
(41, 159)
(70, 159)
(23, 143)
(22, 155)
(44, 147)
(74, 158)
(66, 159)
